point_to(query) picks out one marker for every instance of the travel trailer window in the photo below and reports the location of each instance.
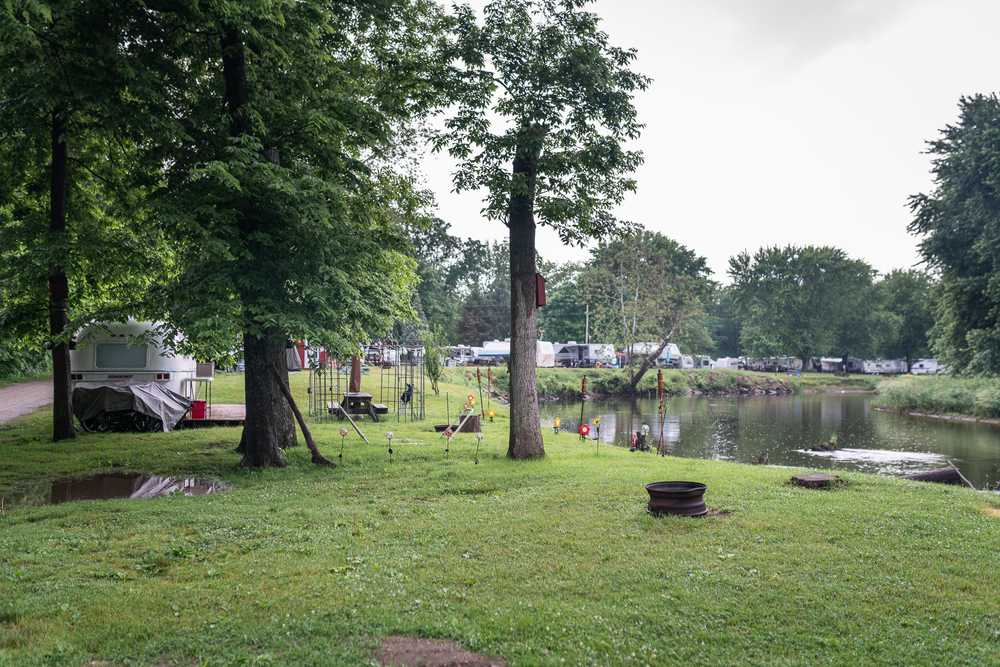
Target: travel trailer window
(120, 355)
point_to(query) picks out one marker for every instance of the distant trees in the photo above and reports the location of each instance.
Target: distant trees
(544, 112)
(75, 94)
(647, 287)
(803, 301)
(906, 300)
(564, 317)
(959, 225)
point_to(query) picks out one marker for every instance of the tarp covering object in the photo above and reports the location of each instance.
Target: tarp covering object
(93, 399)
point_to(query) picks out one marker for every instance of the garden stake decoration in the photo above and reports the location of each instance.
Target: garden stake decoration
(583, 398)
(597, 432)
(388, 436)
(447, 443)
(556, 424)
(491, 414)
(343, 434)
(482, 406)
(479, 441)
(489, 388)
(660, 393)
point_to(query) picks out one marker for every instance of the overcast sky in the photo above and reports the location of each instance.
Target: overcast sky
(783, 121)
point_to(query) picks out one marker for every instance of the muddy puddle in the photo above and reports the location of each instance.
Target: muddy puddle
(107, 486)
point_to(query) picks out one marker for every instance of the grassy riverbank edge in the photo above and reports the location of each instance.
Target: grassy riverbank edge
(941, 397)
(564, 383)
(544, 562)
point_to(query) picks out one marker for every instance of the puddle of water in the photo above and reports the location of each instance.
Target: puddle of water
(113, 485)
(129, 485)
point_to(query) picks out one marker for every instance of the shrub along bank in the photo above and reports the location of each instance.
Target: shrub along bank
(941, 395)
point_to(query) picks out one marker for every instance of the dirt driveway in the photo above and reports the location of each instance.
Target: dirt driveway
(24, 398)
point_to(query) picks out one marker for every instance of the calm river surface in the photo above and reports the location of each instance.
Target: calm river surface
(745, 429)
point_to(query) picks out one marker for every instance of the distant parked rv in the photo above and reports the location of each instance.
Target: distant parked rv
(885, 366)
(927, 367)
(498, 351)
(669, 357)
(585, 355)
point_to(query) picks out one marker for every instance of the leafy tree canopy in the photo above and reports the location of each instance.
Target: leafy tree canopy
(959, 225)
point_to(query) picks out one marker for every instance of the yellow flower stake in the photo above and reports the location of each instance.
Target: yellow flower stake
(491, 414)
(556, 423)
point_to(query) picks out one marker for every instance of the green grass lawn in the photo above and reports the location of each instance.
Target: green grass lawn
(543, 562)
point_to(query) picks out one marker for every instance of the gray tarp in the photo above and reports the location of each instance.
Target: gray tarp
(91, 399)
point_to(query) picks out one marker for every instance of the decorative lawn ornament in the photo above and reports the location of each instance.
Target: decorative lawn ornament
(491, 414)
(343, 434)
(479, 382)
(597, 434)
(661, 394)
(479, 441)
(388, 436)
(556, 425)
(447, 440)
(584, 431)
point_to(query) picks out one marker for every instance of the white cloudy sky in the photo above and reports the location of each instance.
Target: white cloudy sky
(783, 121)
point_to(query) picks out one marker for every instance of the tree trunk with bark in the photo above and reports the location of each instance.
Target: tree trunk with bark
(646, 364)
(269, 425)
(525, 429)
(62, 386)
(264, 429)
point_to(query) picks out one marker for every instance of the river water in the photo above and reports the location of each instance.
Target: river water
(781, 430)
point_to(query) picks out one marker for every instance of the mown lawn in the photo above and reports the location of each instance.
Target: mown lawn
(544, 562)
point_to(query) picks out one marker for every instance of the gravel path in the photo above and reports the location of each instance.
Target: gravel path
(24, 398)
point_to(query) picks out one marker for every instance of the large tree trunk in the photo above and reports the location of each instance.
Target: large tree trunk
(269, 423)
(62, 408)
(647, 363)
(263, 432)
(525, 429)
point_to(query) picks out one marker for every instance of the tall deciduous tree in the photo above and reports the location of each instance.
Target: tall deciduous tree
(959, 225)
(73, 84)
(280, 182)
(541, 123)
(647, 287)
(803, 301)
(907, 299)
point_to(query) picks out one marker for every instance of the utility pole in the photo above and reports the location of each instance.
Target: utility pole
(587, 335)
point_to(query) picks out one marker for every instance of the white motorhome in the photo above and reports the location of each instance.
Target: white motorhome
(130, 353)
(499, 350)
(460, 355)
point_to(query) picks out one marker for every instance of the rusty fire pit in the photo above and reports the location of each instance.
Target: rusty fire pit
(678, 498)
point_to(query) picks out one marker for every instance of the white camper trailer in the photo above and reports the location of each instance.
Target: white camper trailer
(926, 367)
(669, 357)
(129, 353)
(585, 355)
(546, 355)
(884, 366)
(494, 351)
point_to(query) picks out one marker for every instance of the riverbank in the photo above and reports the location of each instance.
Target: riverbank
(942, 397)
(544, 562)
(564, 383)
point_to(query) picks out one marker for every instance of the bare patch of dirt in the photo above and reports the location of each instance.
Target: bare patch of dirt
(992, 511)
(400, 651)
(718, 513)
